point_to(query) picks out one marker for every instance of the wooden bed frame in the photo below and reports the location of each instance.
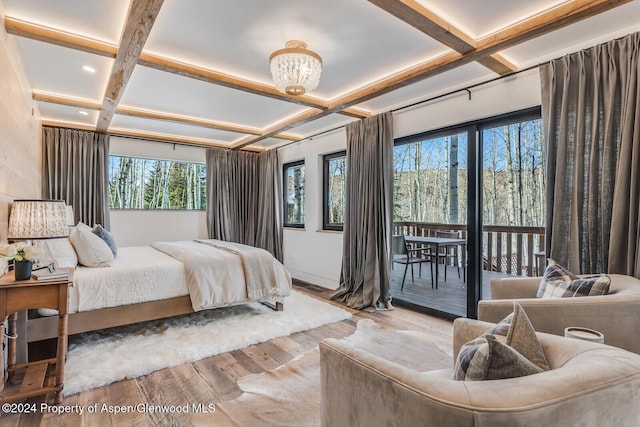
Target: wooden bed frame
(42, 328)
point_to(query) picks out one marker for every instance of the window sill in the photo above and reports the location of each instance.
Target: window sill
(293, 228)
(321, 230)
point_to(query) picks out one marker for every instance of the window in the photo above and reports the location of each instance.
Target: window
(139, 183)
(293, 181)
(334, 189)
(430, 179)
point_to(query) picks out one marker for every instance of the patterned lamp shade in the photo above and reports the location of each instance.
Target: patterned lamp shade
(38, 219)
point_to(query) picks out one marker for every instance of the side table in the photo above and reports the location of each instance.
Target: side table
(43, 376)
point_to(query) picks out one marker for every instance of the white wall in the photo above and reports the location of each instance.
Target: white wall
(314, 255)
(142, 227)
(20, 134)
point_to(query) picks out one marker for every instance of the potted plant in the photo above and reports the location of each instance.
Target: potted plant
(23, 255)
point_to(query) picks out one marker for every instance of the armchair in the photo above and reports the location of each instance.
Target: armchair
(588, 385)
(616, 315)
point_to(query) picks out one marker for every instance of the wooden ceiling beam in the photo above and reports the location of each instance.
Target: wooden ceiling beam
(32, 31)
(156, 115)
(537, 25)
(147, 135)
(140, 18)
(421, 18)
(306, 116)
(498, 64)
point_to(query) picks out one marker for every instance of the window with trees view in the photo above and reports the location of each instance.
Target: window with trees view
(293, 182)
(334, 172)
(139, 183)
(430, 182)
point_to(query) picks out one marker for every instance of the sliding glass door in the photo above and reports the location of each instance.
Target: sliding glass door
(430, 203)
(469, 201)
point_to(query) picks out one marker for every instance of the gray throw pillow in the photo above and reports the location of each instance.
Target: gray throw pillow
(558, 282)
(514, 332)
(486, 358)
(99, 231)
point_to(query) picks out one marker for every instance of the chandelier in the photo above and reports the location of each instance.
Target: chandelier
(295, 69)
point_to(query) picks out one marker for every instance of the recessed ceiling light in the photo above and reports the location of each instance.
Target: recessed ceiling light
(83, 113)
(89, 69)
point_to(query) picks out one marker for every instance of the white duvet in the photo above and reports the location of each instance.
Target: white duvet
(138, 274)
(212, 276)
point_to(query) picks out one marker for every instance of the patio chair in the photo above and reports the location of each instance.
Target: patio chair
(408, 256)
(449, 252)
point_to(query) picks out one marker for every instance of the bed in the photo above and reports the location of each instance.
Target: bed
(167, 279)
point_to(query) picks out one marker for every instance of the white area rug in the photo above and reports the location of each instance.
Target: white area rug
(100, 358)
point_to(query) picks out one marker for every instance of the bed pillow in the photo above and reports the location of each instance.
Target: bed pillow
(92, 251)
(61, 253)
(558, 282)
(108, 238)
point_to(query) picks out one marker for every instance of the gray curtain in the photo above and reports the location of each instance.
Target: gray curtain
(75, 169)
(364, 280)
(242, 198)
(590, 107)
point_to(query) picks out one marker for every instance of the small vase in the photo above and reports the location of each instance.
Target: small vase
(22, 269)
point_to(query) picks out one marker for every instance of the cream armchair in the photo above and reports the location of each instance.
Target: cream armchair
(588, 385)
(616, 315)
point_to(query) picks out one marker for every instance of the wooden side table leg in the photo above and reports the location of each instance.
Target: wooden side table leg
(11, 345)
(1, 358)
(61, 355)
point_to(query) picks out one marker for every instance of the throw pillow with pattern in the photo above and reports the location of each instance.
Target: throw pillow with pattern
(486, 358)
(558, 282)
(517, 334)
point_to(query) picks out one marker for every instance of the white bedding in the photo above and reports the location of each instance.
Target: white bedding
(138, 274)
(221, 274)
(143, 274)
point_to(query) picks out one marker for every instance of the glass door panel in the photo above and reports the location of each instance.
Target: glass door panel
(430, 202)
(513, 194)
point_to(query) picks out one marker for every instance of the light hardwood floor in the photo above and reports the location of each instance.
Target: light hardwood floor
(213, 379)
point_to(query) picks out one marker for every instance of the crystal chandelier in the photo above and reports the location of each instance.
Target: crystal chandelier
(295, 69)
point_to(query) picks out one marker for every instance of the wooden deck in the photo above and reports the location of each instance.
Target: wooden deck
(450, 299)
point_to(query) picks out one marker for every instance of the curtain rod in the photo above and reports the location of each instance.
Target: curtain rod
(424, 101)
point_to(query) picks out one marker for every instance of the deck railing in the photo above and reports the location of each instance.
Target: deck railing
(507, 249)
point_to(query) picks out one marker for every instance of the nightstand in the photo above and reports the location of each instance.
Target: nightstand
(43, 376)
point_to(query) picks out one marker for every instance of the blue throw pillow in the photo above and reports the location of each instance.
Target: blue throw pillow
(107, 237)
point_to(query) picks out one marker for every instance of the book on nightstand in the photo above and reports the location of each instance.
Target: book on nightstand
(45, 274)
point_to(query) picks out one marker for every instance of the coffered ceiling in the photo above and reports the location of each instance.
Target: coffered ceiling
(197, 71)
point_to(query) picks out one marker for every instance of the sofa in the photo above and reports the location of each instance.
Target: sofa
(616, 315)
(386, 384)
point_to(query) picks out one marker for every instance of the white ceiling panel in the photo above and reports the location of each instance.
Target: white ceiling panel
(160, 126)
(615, 23)
(480, 18)
(65, 113)
(97, 19)
(454, 79)
(357, 41)
(270, 143)
(59, 70)
(157, 90)
(325, 123)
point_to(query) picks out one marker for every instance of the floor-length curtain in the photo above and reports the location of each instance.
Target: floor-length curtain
(75, 169)
(242, 197)
(591, 112)
(364, 280)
